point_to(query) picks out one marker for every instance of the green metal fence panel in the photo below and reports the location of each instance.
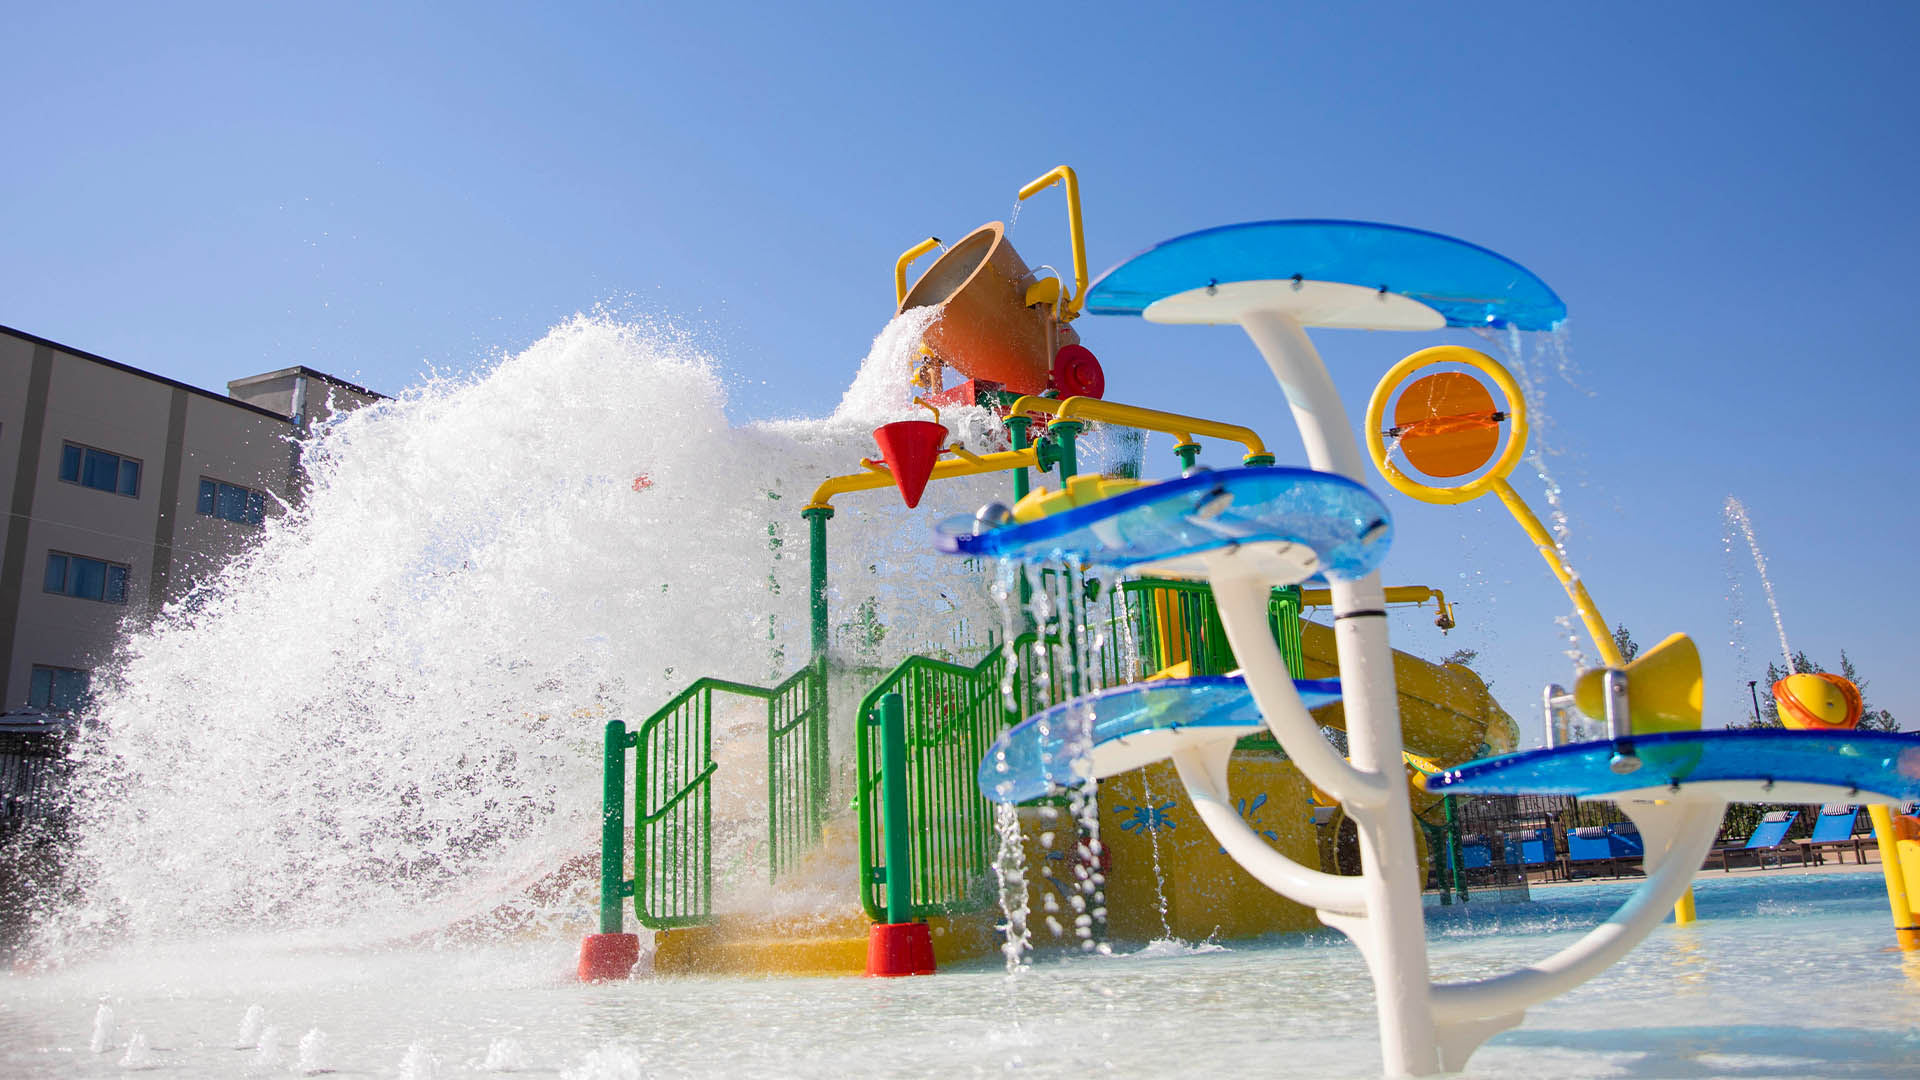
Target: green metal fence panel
(798, 771)
(953, 713)
(673, 811)
(1178, 621)
(673, 792)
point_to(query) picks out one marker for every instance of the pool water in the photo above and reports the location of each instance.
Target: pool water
(1784, 976)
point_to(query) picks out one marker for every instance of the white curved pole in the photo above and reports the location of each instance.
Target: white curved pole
(1242, 604)
(1694, 826)
(1204, 772)
(1397, 954)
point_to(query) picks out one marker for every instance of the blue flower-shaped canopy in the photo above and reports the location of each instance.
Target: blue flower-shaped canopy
(1465, 284)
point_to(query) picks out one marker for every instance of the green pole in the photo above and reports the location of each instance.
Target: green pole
(1017, 428)
(893, 793)
(613, 827)
(1064, 432)
(817, 745)
(1457, 871)
(1188, 453)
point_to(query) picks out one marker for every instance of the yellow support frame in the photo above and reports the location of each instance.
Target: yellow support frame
(1075, 233)
(962, 463)
(1181, 427)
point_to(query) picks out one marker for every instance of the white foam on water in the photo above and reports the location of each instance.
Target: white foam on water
(385, 718)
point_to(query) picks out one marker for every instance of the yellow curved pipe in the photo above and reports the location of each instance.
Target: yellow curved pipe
(906, 258)
(1577, 592)
(1181, 427)
(1395, 594)
(878, 476)
(1064, 175)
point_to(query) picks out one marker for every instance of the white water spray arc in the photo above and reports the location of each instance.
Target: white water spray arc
(1736, 514)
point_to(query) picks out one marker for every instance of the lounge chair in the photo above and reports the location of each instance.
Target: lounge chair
(1589, 845)
(1532, 849)
(1623, 839)
(1834, 829)
(1474, 852)
(1767, 839)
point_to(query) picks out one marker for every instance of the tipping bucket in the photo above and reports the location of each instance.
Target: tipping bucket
(986, 330)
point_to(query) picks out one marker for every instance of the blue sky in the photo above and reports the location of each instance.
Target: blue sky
(1720, 192)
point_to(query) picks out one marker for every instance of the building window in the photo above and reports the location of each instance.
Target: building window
(231, 502)
(88, 579)
(57, 689)
(100, 470)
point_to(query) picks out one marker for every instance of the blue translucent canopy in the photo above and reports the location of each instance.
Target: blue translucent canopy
(1056, 748)
(1874, 761)
(1345, 524)
(1465, 283)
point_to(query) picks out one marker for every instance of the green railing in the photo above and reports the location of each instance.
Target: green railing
(951, 714)
(672, 882)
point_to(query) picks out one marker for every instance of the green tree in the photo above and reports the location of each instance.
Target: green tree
(1623, 640)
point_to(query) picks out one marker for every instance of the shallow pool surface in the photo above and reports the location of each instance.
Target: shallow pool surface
(1784, 976)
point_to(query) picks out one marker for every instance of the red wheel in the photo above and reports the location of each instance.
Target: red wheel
(1077, 373)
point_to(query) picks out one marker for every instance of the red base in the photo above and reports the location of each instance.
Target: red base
(608, 956)
(967, 393)
(899, 949)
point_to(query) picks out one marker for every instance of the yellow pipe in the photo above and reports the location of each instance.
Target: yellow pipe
(881, 478)
(1906, 928)
(1396, 594)
(900, 266)
(1181, 427)
(1576, 592)
(1064, 175)
(964, 454)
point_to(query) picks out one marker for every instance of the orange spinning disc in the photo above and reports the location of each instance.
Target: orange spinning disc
(1447, 424)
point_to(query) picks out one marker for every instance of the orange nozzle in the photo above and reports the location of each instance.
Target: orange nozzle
(1447, 424)
(910, 448)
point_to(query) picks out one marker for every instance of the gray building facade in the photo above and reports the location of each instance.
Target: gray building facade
(122, 488)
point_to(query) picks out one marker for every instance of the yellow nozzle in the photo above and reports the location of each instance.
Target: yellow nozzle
(906, 258)
(1664, 688)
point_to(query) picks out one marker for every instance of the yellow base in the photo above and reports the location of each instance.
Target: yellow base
(813, 945)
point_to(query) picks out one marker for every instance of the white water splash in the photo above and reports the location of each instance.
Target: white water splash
(139, 1055)
(1549, 356)
(418, 1063)
(387, 714)
(312, 1055)
(504, 1055)
(1736, 515)
(266, 1054)
(102, 1038)
(251, 1024)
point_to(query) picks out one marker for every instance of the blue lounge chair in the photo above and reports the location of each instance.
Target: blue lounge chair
(1474, 853)
(1766, 840)
(1834, 829)
(1623, 839)
(1532, 848)
(1587, 846)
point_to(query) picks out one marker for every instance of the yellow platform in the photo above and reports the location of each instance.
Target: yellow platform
(809, 945)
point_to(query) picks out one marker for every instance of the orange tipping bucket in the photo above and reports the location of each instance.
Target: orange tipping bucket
(985, 329)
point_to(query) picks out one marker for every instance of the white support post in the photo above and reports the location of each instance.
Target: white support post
(1395, 926)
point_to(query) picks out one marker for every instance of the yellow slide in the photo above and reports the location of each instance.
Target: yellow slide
(1446, 712)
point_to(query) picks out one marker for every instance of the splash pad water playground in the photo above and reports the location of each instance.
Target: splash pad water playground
(1155, 644)
(1253, 535)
